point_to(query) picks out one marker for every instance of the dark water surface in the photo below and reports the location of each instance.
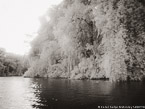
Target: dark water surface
(38, 93)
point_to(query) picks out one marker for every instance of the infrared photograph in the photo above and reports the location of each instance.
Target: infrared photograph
(72, 54)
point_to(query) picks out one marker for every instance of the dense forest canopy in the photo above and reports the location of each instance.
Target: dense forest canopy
(11, 64)
(91, 39)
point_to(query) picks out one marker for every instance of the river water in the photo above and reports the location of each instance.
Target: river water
(40, 93)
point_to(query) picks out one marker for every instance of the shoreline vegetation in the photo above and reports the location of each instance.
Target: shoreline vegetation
(91, 39)
(11, 64)
(37, 76)
(96, 79)
(88, 39)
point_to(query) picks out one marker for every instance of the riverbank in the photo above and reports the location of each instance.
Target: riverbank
(103, 78)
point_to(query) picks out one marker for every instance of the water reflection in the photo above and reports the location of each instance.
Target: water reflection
(33, 93)
(78, 94)
(55, 93)
(15, 93)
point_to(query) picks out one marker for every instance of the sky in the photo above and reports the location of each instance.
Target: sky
(19, 23)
